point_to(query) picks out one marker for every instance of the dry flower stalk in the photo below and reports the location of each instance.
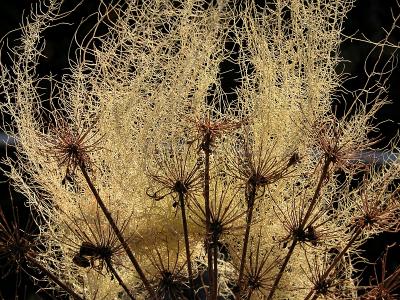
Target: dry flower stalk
(134, 125)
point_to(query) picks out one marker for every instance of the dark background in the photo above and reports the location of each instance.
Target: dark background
(368, 17)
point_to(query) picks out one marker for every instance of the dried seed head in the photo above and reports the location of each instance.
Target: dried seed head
(377, 214)
(335, 286)
(260, 269)
(338, 144)
(71, 145)
(257, 166)
(95, 243)
(16, 241)
(319, 229)
(170, 280)
(209, 129)
(226, 212)
(176, 172)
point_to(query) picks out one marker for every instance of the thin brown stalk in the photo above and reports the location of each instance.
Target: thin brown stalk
(186, 236)
(314, 199)
(385, 286)
(118, 233)
(119, 279)
(53, 277)
(215, 270)
(282, 269)
(206, 149)
(335, 262)
(251, 199)
(209, 130)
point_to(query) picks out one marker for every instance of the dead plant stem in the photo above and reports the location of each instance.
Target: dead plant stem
(335, 262)
(118, 233)
(119, 279)
(206, 194)
(313, 202)
(250, 200)
(215, 270)
(186, 236)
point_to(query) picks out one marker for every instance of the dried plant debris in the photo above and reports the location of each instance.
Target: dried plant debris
(154, 180)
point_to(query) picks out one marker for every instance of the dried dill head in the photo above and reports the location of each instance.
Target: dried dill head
(209, 128)
(318, 228)
(17, 239)
(261, 266)
(226, 213)
(342, 142)
(376, 203)
(334, 286)
(170, 279)
(257, 166)
(71, 144)
(93, 241)
(177, 171)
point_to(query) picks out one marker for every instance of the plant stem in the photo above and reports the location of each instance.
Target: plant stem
(313, 202)
(206, 193)
(119, 279)
(250, 202)
(315, 197)
(118, 233)
(186, 236)
(335, 262)
(54, 278)
(282, 269)
(215, 270)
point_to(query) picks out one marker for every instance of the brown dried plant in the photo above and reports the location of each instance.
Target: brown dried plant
(170, 279)
(335, 286)
(225, 210)
(71, 145)
(19, 247)
(320, 228)
(96, 245)
(339, 146)
(259, 270)
(258, 166)
(175, 173)
(145, 115)
(383, 286)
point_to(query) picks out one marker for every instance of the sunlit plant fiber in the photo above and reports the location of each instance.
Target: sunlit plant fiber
(152, 182)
